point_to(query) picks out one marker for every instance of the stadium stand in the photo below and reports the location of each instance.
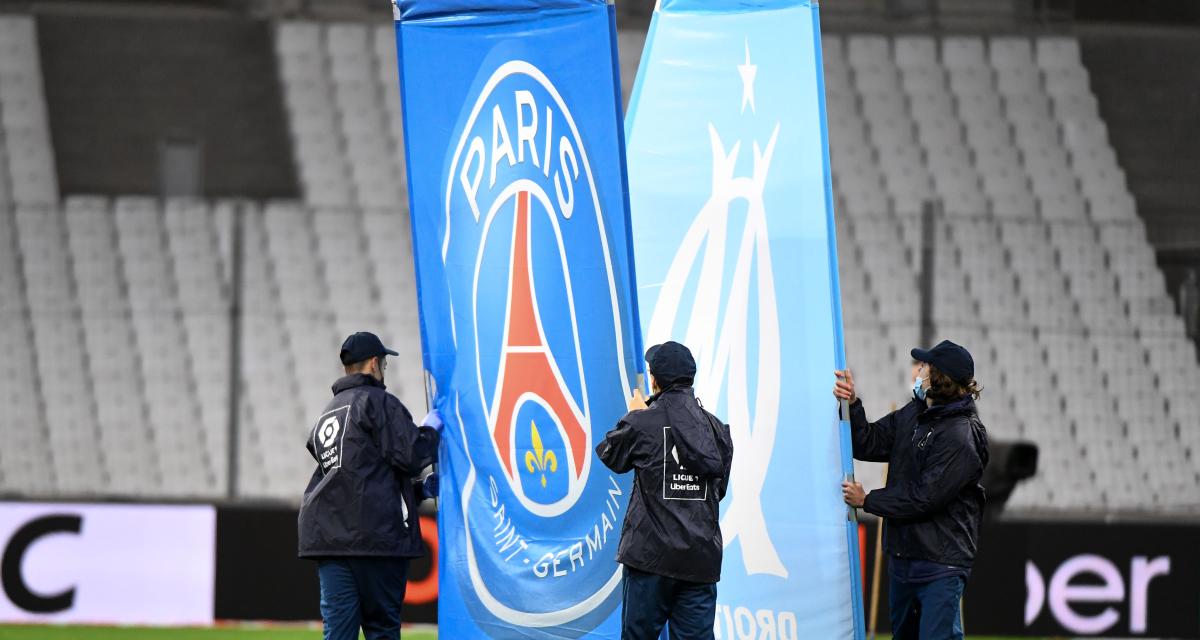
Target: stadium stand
(1043, 269)
(125, 87)
(341, 92)
(27, 159)
(145, 287)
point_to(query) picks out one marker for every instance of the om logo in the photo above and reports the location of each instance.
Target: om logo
(733, 328)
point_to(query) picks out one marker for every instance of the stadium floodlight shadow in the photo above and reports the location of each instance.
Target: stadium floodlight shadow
(1011, 462)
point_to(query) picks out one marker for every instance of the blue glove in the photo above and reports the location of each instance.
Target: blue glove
(430, 486)
(433, 420)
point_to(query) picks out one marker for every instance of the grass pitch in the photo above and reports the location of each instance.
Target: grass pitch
(55, 632)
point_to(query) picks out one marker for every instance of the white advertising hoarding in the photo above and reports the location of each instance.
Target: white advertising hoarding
(113, 564)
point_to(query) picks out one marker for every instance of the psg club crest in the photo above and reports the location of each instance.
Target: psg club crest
(542, 367)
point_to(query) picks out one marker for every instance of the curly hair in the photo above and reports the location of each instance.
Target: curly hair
(942, 389)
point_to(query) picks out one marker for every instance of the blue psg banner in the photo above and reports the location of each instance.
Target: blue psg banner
(733, 229)
(514, 139)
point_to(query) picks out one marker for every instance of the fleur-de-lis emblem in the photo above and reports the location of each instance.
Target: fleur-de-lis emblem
(539, 459)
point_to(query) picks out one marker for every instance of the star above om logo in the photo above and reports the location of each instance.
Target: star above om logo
(539, 459)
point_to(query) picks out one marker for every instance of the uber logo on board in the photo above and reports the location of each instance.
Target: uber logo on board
(678, 482)
(1065, 591)
(327, 437)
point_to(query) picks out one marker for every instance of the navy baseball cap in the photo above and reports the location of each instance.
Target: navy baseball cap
(951, 359)
(670, 362)
(363, 345)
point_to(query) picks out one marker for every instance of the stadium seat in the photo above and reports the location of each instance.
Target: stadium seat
(963, 52)
(1057, 53)
(25, 153)
(915, 52)
(867, 51)
(1010, 52)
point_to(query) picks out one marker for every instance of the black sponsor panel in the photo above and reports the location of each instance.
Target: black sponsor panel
(1087, 579)
(995, 594)
(1074, 579)
(259, 576)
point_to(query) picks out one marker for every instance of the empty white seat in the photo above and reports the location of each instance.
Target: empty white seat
(349, 40)
(864, 51)
(1014, 81)
(297, 37)
(1057, 52)
(915, 51)
(1010, 52)
(961, 52)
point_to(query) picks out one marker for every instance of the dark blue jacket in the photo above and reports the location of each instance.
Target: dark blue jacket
(681, 455)
(361, 500)
(933, 500)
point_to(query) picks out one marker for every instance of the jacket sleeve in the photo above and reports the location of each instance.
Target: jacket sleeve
(872, 440)
(951, 465)
(618, 450)
(726, 441)
(404, 445)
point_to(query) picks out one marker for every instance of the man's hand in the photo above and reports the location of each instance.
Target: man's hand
(430, 486)
(853, 494)
(637, 401)
(433, 420)
(843, 389)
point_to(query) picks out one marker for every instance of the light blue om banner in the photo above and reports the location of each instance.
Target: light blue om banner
(736, 258)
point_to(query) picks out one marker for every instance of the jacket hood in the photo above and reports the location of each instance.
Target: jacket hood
(696, 441)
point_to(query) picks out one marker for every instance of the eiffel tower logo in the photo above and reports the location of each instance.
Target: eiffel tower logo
(528, 371)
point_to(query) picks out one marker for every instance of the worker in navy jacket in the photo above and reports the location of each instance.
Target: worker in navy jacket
(671, 543)
(359, 518)
(937, 449)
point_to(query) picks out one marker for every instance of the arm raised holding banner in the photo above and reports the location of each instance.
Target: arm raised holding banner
(872, 440)
(617, 450)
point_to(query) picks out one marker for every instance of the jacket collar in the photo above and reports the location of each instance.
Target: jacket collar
(356, 380)
(669, 390)
(964, 406)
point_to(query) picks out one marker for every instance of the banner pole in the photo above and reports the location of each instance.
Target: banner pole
(426, 359)
(877, 569)
(639, 346)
